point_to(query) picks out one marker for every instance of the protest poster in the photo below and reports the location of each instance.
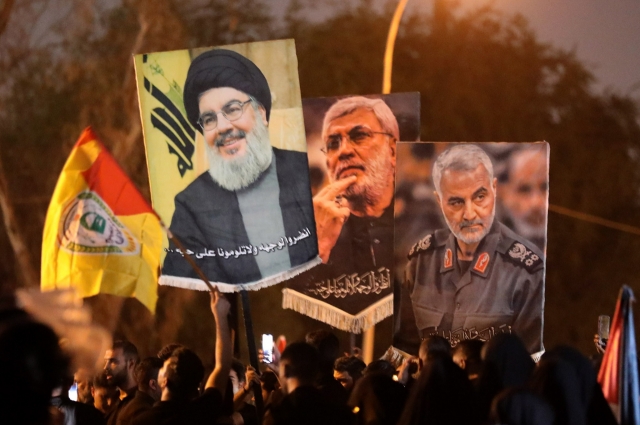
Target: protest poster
(224, 137)
(470, 241)
(352, 157)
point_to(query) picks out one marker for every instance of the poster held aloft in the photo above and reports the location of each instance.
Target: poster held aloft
(228, 170)
(224, 137)
(472, 247)
(352, 155)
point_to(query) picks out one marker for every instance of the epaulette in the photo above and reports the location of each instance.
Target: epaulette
(519, 254)
(422, 245)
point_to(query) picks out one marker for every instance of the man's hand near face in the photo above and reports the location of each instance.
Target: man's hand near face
(331, 215)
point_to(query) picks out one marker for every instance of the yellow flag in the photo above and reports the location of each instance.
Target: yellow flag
(100, 235)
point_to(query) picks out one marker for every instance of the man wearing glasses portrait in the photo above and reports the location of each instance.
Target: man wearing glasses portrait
(250, 216)
(354, 212)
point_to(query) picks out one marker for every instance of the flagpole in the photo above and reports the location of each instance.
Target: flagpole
(246, 314)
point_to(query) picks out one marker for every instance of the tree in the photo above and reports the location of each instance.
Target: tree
(484, 76)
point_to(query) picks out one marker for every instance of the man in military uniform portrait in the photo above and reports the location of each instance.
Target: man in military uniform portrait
(475, 278)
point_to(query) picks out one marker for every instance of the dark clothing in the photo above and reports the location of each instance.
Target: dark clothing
(364, 244)
(249, 414)
(207, 218)
(442, 395)
(77, 413)
(332, 391)
(306, 406)
(112, 416)
(204, 409)
(358, 272)
(521, 407)
(502, 291)
(507, 364)
(141, 403)
(568, 382)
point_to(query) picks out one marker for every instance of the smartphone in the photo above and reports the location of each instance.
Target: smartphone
(267, 348)
(603, 326)
(73, 392)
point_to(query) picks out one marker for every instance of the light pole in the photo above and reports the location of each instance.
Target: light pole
(369, 334)
(391, 40)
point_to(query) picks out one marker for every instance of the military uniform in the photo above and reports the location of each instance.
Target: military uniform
(500, 290)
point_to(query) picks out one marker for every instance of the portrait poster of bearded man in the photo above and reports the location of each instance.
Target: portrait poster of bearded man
(351, 146)
(470, 241)
(228, 171)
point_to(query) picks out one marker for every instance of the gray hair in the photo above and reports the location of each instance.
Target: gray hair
(460, 157)
(348, 105)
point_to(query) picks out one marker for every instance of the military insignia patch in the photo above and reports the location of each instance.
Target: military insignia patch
(482, 263)
(422, 245)
(89, 227)
(448, 259)
(521, 255)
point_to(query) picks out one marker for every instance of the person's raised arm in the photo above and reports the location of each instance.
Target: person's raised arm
(220, 308)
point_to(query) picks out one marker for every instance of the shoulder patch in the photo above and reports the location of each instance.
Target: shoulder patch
(521, 255)
(423, 245)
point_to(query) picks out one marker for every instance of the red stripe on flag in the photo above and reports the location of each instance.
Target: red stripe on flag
(108, 180)
(608, 376)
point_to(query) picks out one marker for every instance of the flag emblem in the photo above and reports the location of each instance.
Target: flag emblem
(89, 226)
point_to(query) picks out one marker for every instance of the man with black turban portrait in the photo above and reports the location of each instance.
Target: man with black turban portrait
(249, 218)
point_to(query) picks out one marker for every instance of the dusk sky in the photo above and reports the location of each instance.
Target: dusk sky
(604, 34)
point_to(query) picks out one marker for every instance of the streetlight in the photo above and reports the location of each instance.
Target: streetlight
(391, 40)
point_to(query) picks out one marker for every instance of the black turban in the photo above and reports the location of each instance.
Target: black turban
(223, 68)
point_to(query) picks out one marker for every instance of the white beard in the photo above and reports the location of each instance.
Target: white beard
(238, 173)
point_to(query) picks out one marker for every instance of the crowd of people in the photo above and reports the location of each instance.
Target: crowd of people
(493, 382)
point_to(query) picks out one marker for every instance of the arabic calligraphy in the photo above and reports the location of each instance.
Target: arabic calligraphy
(372, 282)
(285, 241)
(460, 334)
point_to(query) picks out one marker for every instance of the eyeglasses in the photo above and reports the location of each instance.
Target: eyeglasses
(358, 135)
(232, 111)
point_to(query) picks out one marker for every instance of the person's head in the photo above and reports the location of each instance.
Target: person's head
(348, 370)
(147, 376)
(437, 396)
(227, 99)
(105, 394)
(119, 364)
(181, 374)
(298, 366)
(166, 351)
(380, 366)
(328, 347)
(269, 383)
(377, 400)
(467, 355)
(84, 382)
(32, 366)
(525, 191)
(360, 137)
(466, 191)
(433, 346)
(237, 375)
